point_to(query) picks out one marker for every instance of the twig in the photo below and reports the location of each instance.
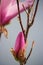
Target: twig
(29, 27)
(29, 53)
(0, 31)
(25, 9)
(26, 33)
(34, 14)
(21, 63)
(30, 24)
(27, 21)
(20, 18)
(0, 35)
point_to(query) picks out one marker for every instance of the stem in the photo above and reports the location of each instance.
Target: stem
(27, 21)
(27, 30)
(21, 63)
(0, 31)
(20, 18)
(34, 14)
(0, 35)
(28, 26)
(25, 9)
(29, 53)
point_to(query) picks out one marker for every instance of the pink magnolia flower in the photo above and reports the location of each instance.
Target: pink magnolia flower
(19, 48)
(8, 10)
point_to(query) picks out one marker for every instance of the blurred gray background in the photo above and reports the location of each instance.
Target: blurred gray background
(35, 33)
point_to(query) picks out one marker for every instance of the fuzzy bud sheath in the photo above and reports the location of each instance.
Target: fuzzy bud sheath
(19, 48)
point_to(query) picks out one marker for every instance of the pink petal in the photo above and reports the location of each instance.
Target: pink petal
(0, 13)
(11, 10)
(30, 2)
(20, 42)
(5, 3)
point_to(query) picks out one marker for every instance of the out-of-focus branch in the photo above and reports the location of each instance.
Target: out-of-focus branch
(26, 33)
(25, 9)
(34, 14)
(28, 22)
(0, 35)
(21, 63)
(29, 53)
(28, 26)
(0, 31)
(28, 29)
(20, 18)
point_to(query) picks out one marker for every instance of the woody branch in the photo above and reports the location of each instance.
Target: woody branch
(20, 18)
(30, 24)
(28, 13)
(34, 14)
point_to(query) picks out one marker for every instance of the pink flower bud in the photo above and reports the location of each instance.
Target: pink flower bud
(19, 47)
(20, 43)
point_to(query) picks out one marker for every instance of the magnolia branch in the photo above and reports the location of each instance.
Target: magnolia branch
(28, 26)
(34, 14)
(28, 13)
(20, 18)
(27, 29)
(28, 22)
(29, 53)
